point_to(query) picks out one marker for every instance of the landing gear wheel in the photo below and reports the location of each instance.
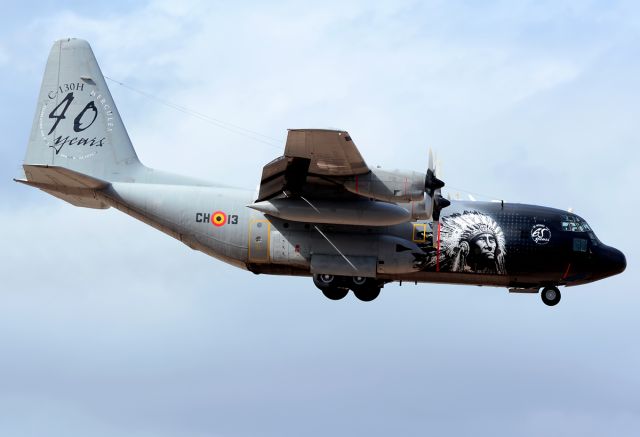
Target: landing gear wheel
(335, 293)
(331, 286)
(325, 281)
(367, 294)
(550, 296)
(359, 281)
(365, 289)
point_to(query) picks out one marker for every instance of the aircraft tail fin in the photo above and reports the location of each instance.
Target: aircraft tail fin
(77, 125)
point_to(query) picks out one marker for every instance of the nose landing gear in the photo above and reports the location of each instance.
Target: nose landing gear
(550, 296)
(337, 287)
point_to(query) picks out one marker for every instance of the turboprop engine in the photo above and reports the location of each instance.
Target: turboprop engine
(419, 191)
(390, 186)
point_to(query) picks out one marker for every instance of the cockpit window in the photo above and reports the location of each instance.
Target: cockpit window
(579, 245)
(573, 223)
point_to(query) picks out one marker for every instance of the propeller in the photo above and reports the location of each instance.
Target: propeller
(432, 190)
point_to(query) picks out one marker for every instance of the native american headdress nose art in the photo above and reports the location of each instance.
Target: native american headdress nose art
(458, 230)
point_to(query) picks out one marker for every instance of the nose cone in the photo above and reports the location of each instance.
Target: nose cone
(619, 262)
(610, 261)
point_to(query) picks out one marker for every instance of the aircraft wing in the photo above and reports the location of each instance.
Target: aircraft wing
(312, 157)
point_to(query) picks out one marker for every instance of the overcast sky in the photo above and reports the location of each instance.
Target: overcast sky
(108, 327)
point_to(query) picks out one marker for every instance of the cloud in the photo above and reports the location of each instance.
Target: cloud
(268, 68)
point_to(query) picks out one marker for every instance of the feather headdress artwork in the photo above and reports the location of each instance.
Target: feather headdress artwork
(458, 232)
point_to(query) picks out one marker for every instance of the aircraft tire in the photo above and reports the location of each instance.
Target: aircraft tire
(550, 296)
(357, 283)
(367, 294)
(323, 281)
(335, 293)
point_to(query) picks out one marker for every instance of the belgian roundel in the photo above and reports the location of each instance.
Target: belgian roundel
(219, 218)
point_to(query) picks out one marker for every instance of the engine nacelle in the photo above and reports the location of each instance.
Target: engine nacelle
(359, 213)
(421, 209)
(390, 186)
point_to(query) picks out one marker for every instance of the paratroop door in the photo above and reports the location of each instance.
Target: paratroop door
(259, 231)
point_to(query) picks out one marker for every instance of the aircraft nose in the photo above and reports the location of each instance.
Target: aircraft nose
(619, 261)
(611, 262)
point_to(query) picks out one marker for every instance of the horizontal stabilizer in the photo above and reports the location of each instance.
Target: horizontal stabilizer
(68, 185)
(60, 177)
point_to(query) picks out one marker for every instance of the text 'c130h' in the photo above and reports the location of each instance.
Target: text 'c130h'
(321, 211)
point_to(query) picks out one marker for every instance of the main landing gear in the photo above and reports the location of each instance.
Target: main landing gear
(550, 296)
(337, 287)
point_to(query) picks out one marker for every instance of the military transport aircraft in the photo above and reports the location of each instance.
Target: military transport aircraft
(320, 210)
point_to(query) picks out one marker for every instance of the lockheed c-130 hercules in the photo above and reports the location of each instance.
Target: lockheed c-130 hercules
(320, 210)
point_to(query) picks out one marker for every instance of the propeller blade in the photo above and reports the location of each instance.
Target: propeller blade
(432, 187)
(431, 182)
(430, 167)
